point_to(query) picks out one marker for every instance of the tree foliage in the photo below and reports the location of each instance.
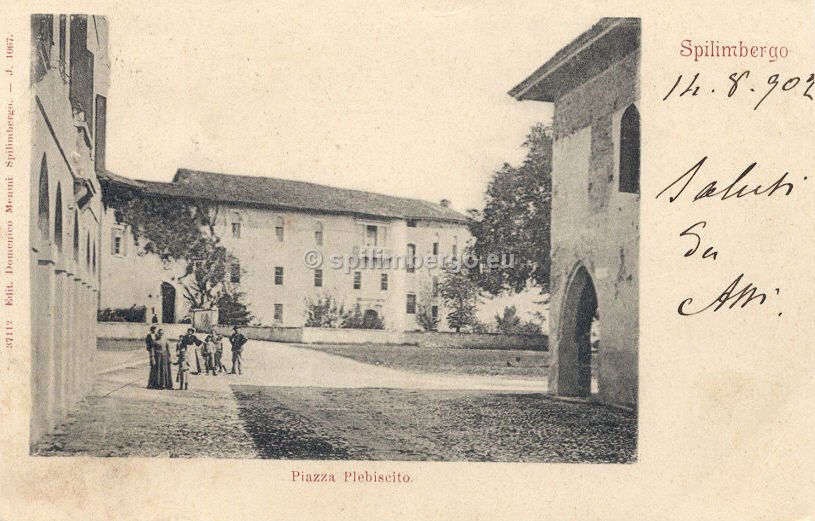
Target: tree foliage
(460, 294)
(516, 219)
(510, 323)
(424, 309)
(182, 230)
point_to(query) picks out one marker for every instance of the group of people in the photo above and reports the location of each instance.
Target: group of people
(211, 349)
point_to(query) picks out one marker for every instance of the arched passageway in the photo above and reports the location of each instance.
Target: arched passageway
(574, 349)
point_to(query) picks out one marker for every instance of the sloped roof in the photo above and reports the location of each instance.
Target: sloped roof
(286, 194)
(605, 42)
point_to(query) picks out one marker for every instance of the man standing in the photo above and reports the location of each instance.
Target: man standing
(149, 340)
(188, 340)
(237, 340)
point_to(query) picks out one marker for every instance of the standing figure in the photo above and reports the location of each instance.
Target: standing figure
(237, 340)
(219, 353)
(148, 341)
(208, 351)
(190, 339)
(183, 367)
(161, 376)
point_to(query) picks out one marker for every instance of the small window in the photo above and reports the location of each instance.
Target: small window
(279, 229)
(357, 280)
(236, 230)
(318, 234)
(278, 276)
(383, 282)
(318, 278)
(94, 257)
(411, 223)
(410, 262)
(434, 311)
(117, 245)
(435, 248)
(117, 242)
(435, 286)
(235, 272)
(411, 303)
(630, 151)
(278, 312)
(371, 235)
(88, 250)
(62, 42)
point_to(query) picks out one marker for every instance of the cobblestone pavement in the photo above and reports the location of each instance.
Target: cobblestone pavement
(335, 411)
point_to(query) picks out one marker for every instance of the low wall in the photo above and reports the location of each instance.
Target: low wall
(273, 334)
(136, 331)
(317, 335)
(325, 335)
(476, 340)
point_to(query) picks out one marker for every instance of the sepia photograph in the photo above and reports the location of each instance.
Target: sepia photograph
(324, 240)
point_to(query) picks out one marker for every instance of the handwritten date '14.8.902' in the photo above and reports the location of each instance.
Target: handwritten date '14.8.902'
(742, 83)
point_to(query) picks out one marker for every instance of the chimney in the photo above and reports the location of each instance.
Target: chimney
(445, 203)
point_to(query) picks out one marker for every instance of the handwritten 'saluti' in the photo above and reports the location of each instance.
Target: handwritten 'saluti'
(712, 188)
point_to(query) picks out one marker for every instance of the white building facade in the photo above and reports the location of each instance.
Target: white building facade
(278, 230)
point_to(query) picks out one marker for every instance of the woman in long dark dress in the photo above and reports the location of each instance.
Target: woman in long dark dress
(161, 375)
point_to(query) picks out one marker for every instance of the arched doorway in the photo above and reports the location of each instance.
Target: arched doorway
(167, 303)
(370, 319)
(574, 349)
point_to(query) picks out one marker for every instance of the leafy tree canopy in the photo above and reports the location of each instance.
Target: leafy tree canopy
(516, 219)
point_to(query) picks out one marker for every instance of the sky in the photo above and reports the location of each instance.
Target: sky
(402, 98)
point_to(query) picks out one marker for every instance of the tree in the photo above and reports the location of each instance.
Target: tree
(516, 219)
(460, 294)
(424, 309)
(509, 321)
(181, 230)
(231, 309)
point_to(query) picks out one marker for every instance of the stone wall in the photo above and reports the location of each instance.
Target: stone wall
(596, 226)
(315, 335)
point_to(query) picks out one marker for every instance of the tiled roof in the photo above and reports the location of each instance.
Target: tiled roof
(285, 194)
(537, 80)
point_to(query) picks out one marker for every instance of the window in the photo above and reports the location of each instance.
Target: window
(62, 38)
(630, 151)
(236, 225)
(278, 312)
(58, 219)
(279, 229)
(435, 248)
(88, 250)
(370, 235)
(235, 272)
(411, 223)
(100, 135)
(94, 257)
(42, 206)
(357, 279)
(318, 234)
(411, 256)
(411, 303)
(278, 276)
(435, 286)
(434, 311)
(117, 245)
(318, 278)
(76, 236)
(117, 241)
(383, 282)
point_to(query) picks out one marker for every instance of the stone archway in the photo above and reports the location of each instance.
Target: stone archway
(573, 371)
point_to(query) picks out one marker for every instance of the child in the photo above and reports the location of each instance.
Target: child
(208, 352)
(183, 366)
(219, 351)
